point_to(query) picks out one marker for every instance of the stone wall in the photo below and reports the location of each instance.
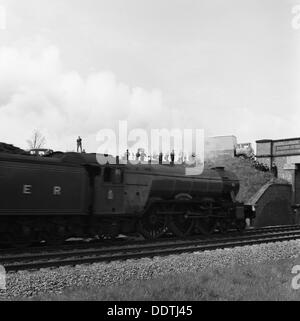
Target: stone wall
(264, 147)
(273, 205)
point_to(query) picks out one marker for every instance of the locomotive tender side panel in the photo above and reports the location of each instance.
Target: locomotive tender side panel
(31, 188)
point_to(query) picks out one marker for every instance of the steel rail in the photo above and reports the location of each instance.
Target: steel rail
(108, 254)
(77, 245)
(91, 249)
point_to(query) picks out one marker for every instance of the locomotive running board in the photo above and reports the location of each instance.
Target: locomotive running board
(186, 214)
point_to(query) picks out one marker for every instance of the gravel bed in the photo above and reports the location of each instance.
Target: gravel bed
(27, 284)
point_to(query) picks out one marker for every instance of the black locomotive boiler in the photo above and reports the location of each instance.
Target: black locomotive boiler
(70, 195)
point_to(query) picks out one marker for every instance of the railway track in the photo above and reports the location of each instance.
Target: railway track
(91, 253)
(79, 245)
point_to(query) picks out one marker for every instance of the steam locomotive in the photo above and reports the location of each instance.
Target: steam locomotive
(50, 199)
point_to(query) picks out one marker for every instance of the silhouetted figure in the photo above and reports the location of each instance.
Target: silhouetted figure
(274, 170)
(138, 155)
(161, 156)
(173, 157)
(79, 144)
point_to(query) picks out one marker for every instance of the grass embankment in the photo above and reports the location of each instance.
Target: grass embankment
(251, 179)
(267, 281)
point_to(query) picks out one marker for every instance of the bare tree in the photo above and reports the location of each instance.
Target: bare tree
(37, 140)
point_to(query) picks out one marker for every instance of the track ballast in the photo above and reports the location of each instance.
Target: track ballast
(92, 253)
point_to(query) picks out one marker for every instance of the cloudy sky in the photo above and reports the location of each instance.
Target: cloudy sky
(73, 67)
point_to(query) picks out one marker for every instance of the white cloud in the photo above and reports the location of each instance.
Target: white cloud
(36, 92)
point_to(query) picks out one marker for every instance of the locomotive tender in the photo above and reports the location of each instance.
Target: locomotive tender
(70, 195)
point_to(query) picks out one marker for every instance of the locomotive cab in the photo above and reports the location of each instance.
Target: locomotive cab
(109, 191)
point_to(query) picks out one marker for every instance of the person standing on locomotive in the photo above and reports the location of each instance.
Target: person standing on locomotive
(79, 144)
